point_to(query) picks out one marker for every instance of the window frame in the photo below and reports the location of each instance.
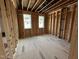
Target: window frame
(30, 22)
(43, 22)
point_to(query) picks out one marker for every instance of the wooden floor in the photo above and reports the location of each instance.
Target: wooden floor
(42, 47)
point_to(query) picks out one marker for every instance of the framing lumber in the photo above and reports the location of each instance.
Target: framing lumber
(59, 20)
(65, 19)
(8, 8)
(6, 25)
(51, 6)
(28, 5)
(22, 4)
(49, 17)
(74, 38)
(57, 6)
(71, 22)
(35, 5)
(46, 5)
(55, 22)
(14, 3)
(40, 5)
(51, 24)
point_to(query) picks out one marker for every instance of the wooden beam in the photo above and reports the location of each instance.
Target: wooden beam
(55, 28)
(65, 20)
(47, 10)
(51, 6)
(28, 5)
(59, 20)
(35, 5)
(51, 24)
(6, 26)
(58, 7)
(22, 4)
(19, 4)
(14, 3)
(46, 5)
(41, 5)
(71, 22)
(49, 29)
(54, 23)
(74, 37)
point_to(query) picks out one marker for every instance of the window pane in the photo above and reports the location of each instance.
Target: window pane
(27, 21)
(41, 21)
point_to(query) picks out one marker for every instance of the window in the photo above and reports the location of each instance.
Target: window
(41, 21)
(27, 21)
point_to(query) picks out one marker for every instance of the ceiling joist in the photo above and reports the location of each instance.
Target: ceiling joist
(46, 5)
(28, 5)
(58, 5)
(35, 5)
(22, 4)
(52, 6)
(41, 5)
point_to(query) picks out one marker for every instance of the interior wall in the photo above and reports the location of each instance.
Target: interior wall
(74, 35)
(55, 22)
(23, 33)
(61, 22)
(2, 53)
(9, 29)
(68, 26)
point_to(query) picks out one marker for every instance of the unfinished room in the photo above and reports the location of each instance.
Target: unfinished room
(38, 29)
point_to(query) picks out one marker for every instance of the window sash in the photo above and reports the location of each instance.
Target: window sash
(27, 21)
(41, 21)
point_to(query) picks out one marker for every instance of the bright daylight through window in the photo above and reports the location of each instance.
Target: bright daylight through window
(27, 21)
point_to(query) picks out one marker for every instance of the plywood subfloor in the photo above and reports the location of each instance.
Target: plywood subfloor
(42, 47)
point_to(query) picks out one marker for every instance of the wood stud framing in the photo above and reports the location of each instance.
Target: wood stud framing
(72, 21)
(52, 27)
(22, 4)
(74, 36)
(59, 18)
(57, 24)
(65, 19)
(28, 5)
(51, 6)
(41, 5)
(11, 31)
(46, 5)
(35, 5)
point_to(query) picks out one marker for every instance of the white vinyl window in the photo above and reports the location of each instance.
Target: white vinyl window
(41, 21)
(27, 21)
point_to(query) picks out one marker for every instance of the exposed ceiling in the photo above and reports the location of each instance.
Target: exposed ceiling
(41, 6)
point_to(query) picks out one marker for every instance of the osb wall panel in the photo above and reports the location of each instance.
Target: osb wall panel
(23, 33)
